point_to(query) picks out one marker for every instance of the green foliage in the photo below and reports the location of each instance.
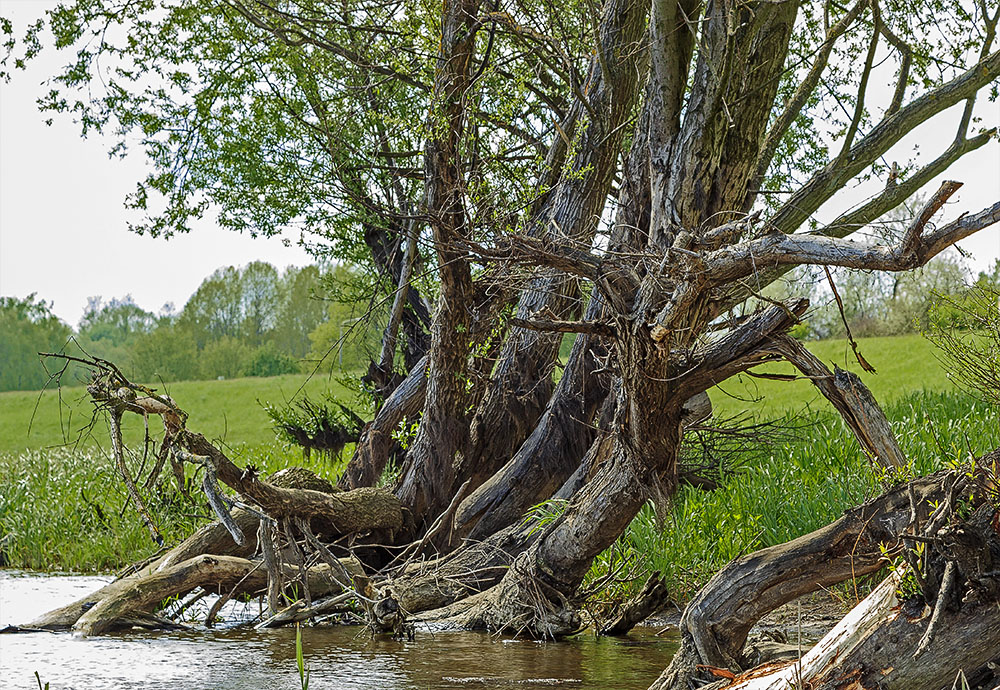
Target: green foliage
(27, 327)
(326, 425)
(66, 509)
(167, 354)
(966, 332)
(266, 360)
(223, 358)
(545, 513)
(118, 321)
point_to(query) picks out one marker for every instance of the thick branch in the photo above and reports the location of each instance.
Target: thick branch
(883, 136)
(777, 249)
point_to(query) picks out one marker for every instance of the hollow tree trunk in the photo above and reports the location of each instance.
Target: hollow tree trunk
(552, 451)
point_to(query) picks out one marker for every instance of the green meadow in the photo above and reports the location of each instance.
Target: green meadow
(229, 411)
(904, 364)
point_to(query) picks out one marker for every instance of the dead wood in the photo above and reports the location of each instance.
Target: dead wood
(221, 573)
(653, 597)
(715, 623)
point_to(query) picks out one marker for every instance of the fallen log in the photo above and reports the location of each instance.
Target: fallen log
(877, 640)
(224, 574)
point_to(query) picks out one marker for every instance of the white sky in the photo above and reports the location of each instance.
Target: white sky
(63, 224)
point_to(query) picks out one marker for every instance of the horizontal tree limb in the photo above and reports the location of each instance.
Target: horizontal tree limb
(599, 328)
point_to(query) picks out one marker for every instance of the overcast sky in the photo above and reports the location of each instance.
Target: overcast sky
(63, 225)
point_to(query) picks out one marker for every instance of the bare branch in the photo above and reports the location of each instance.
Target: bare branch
(776, 249)
(599, 328)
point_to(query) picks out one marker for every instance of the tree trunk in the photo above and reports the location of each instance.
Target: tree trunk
(375, 447)
(428, 477)
(522, 380)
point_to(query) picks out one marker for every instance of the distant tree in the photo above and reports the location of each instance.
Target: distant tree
(226, 357)
(169, 353)
(267, 360)
(259, 300)
(119, 321)
(27, 327)
(215, 309)
(300, 312)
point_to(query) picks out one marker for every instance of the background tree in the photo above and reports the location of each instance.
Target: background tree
(27, 327)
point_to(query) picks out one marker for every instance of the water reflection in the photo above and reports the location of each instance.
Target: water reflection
(225, 659)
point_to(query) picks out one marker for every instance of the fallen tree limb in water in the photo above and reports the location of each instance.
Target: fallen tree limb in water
(144, 594)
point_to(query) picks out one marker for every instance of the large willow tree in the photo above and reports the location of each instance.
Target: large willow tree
(632, 172)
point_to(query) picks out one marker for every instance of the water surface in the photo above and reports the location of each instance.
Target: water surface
(240, 658)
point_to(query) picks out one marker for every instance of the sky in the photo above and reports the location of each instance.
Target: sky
(63, 225)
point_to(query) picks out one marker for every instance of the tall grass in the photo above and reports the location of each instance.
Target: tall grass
(64, 509)
(789, 490)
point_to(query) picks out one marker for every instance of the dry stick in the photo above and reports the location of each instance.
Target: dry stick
(133, 492)
(843, 317)
(434, 530)
(225, 598)
(286, 525)
(274, 584)
(210, 486)
(947, 584)
(325, 553)
(161, 459)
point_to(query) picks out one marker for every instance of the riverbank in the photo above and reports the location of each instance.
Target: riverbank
(66, 510)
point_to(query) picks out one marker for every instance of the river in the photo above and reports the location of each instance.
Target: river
(231, 658)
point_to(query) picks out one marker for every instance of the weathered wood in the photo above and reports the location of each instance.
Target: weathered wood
(853, 400)
(650, 600)
(353, 511)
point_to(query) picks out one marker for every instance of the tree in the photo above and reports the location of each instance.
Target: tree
(301, 310)
(27, 327)
(527, 153)
(119, 321)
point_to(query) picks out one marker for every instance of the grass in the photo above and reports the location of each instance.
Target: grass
(65, 508)
(222, 410)
(792, 489)
(905, 364)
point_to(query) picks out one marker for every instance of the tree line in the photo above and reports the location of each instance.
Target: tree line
(252, 320)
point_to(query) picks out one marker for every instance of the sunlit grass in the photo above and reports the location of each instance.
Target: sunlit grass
(222, 410)
(66, 510)
(905, 364)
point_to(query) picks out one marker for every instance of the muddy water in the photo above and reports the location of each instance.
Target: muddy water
(238, 658)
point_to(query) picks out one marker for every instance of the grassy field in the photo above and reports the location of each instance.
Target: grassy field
(794, 487)
(905, 364)
(229, 411)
